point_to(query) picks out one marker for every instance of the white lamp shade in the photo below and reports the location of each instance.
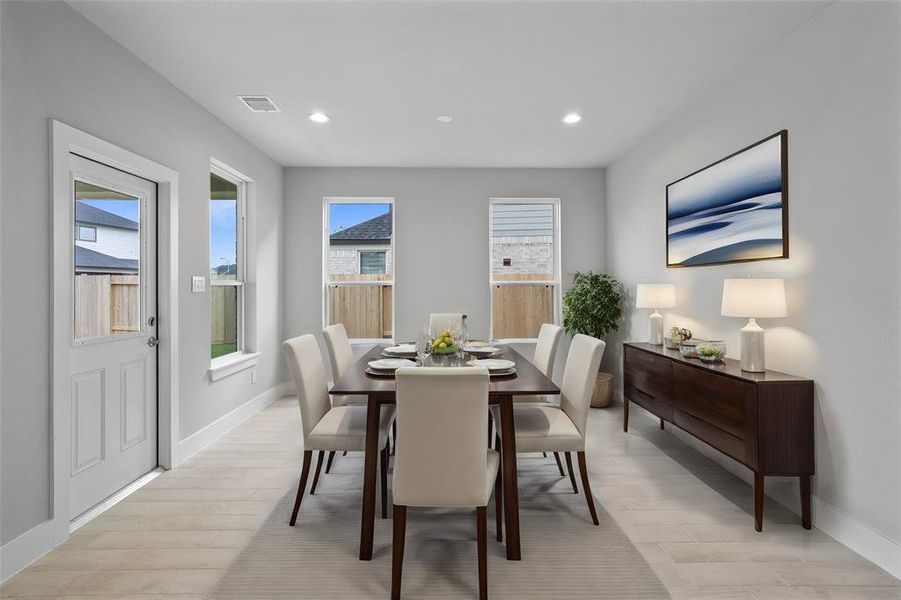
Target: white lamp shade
(754, 298)
(655, 295)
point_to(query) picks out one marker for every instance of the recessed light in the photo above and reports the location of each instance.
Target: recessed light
(572, 118)
(319, 117)
(444, 118)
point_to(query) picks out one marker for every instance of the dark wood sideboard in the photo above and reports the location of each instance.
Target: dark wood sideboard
(762, 420)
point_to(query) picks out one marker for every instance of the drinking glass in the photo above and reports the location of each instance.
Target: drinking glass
(422, 345)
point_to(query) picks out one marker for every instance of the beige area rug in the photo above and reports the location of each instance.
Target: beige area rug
(564, 555)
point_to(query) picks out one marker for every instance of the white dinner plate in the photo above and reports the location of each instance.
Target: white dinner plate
(390, 364)
(480, 349)
(401, 349)
(492, 364)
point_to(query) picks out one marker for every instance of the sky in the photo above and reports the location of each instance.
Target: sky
(223, 236)
(342, 216)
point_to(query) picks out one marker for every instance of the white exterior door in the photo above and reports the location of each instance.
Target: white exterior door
(113, 327)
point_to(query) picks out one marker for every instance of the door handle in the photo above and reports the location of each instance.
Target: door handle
(153, 341)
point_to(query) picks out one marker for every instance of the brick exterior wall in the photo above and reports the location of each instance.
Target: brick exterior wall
(527, 254)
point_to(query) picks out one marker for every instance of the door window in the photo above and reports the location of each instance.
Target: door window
(107, 262)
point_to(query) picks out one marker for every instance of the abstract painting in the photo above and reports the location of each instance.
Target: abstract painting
(734, 210)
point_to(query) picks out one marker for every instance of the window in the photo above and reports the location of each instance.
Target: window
(85, 233)
(524, 242)
(373, 263)
(226, 263)
(358, 250)
(107, 289)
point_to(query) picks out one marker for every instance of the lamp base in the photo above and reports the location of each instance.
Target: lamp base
(655, 335)
(753, 350)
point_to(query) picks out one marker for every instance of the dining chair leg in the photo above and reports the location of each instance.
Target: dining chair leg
(497, 443)
(345, 453)
(394, 436)
(316, 474)
(304, 472)
(544, 455)
(499, 506)
(572, 476)
(490, 419)
(583, 468)
(559, 464)
(328, 463)
(481, 540)
(383, 475)
(397, 554)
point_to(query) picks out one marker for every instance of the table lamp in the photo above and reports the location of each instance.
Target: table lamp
(754, 299)
(655, 295)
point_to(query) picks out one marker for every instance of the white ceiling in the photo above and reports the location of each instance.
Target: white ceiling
(506, 71)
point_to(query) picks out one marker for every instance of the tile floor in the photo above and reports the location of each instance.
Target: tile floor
(688, 516)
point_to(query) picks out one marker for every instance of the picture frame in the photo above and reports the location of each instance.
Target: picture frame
(733, 210)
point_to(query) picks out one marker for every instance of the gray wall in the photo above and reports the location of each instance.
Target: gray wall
(834, 84)
(450, 205)
(55, 64)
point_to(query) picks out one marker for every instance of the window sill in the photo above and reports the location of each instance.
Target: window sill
(232, 363)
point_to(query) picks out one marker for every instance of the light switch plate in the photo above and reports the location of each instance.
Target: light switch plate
(198, 283)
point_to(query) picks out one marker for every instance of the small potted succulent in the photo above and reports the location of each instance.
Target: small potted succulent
(594, 306)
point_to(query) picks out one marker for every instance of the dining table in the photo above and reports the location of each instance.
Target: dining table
(380, 390)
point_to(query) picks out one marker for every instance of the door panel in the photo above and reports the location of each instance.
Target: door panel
(87, 420)
(134, 403)
(113, 368)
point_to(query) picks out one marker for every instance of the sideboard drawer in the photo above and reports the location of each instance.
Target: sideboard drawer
(653, 405)
(724, 442)
(648, 373)
(721, 401)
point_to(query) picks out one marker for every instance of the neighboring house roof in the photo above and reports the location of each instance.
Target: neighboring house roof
(91, 215)
(374, 231)
(86, 259)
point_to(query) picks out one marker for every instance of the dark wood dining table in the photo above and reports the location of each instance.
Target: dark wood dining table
(527, 381)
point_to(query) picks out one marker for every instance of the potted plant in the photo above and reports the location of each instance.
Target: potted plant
(593, 306)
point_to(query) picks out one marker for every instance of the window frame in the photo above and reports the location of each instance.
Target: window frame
(240, 280)
(327, 201)
(79, 227)
(556, 281)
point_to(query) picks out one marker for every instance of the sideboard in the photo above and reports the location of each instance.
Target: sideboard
(762, 420)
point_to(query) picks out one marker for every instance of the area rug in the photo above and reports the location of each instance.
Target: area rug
(563, 554)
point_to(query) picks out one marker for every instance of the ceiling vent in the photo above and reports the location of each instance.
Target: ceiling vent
(263, 104)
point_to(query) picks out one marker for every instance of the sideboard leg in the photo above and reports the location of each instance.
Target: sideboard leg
(758, 501)
(805, 501)
(625, 414)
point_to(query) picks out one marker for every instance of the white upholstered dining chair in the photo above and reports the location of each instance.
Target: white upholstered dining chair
(547, 428)
(438, 322)
(545, 355)
(442, 456)
(328, 428)
(341, 358)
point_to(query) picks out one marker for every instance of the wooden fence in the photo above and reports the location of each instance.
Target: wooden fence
(365, 310)
(224, 308)
(107, 305)
(520, 310)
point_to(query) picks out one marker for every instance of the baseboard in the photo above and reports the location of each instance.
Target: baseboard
(196, 442)
(859, 537)
(20, 552)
